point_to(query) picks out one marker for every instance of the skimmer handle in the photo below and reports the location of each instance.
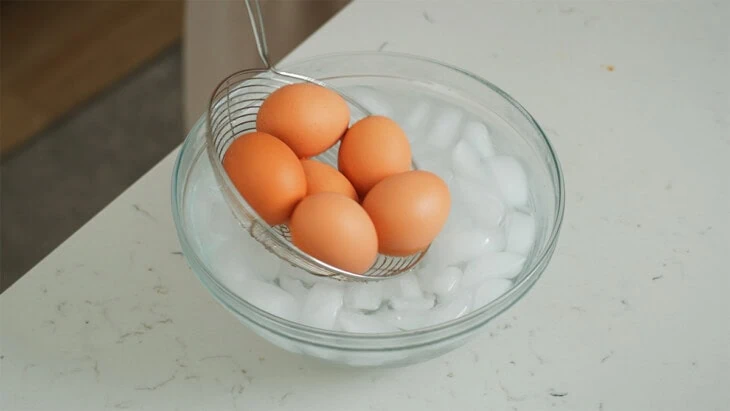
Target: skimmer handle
(257, 24)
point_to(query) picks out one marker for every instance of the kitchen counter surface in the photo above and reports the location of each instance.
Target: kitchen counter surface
(632, 313)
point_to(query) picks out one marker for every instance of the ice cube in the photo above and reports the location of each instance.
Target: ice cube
(322, 305)
(520, 233)
(441, 281)
(444, 283)
(228, 266)
(458, 219)
(231, 247)
(466, 167)
(371, 100)
(416, 120)
(288, 270)
(456, 247)
(409, 287)
(511, 179)
(403, 320)
(412, 303)
(440, 167)
(267, 297)
(502, 264)
(450, 310)
(445, 130)
(294, 287)
(364, 296)
(204, 196)
(215, 223)
(355, 322)
(391, 288)
(498, 240)
(253, 255)
(431, 159)
(476, 135)
(489, 290)
(466, 159)
(484, 205)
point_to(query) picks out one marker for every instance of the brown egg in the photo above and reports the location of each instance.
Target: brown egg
(307, 117)
(372, 149)
(408, 210)
(323, 178)
(268, 175)
(335, 229)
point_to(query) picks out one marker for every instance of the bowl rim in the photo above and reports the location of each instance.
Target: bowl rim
(486, 312)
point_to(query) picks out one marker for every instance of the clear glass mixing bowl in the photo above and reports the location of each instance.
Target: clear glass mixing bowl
(410, 77)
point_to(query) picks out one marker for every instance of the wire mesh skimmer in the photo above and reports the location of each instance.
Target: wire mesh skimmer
(231, 113)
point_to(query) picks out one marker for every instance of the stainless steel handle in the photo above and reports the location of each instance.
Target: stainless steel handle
(257, 25)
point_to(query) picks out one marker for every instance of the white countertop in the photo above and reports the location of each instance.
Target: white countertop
(632, 314)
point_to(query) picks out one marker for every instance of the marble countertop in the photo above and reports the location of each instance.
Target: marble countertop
(632, 314)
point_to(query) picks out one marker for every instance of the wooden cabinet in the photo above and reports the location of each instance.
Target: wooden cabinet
(56, 54)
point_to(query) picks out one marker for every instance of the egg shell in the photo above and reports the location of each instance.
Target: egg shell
(335, 229)
(323, 178)
(371, 150)
(268, 175)
(408, 210)
(307, 117)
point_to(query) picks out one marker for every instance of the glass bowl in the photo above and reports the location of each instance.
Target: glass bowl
(410, 78)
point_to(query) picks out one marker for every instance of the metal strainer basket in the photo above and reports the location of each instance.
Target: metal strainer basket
(232, 112)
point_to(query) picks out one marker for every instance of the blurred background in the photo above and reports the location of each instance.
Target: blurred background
(94, 93)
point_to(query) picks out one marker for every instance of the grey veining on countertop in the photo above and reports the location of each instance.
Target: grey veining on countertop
(630, 315)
